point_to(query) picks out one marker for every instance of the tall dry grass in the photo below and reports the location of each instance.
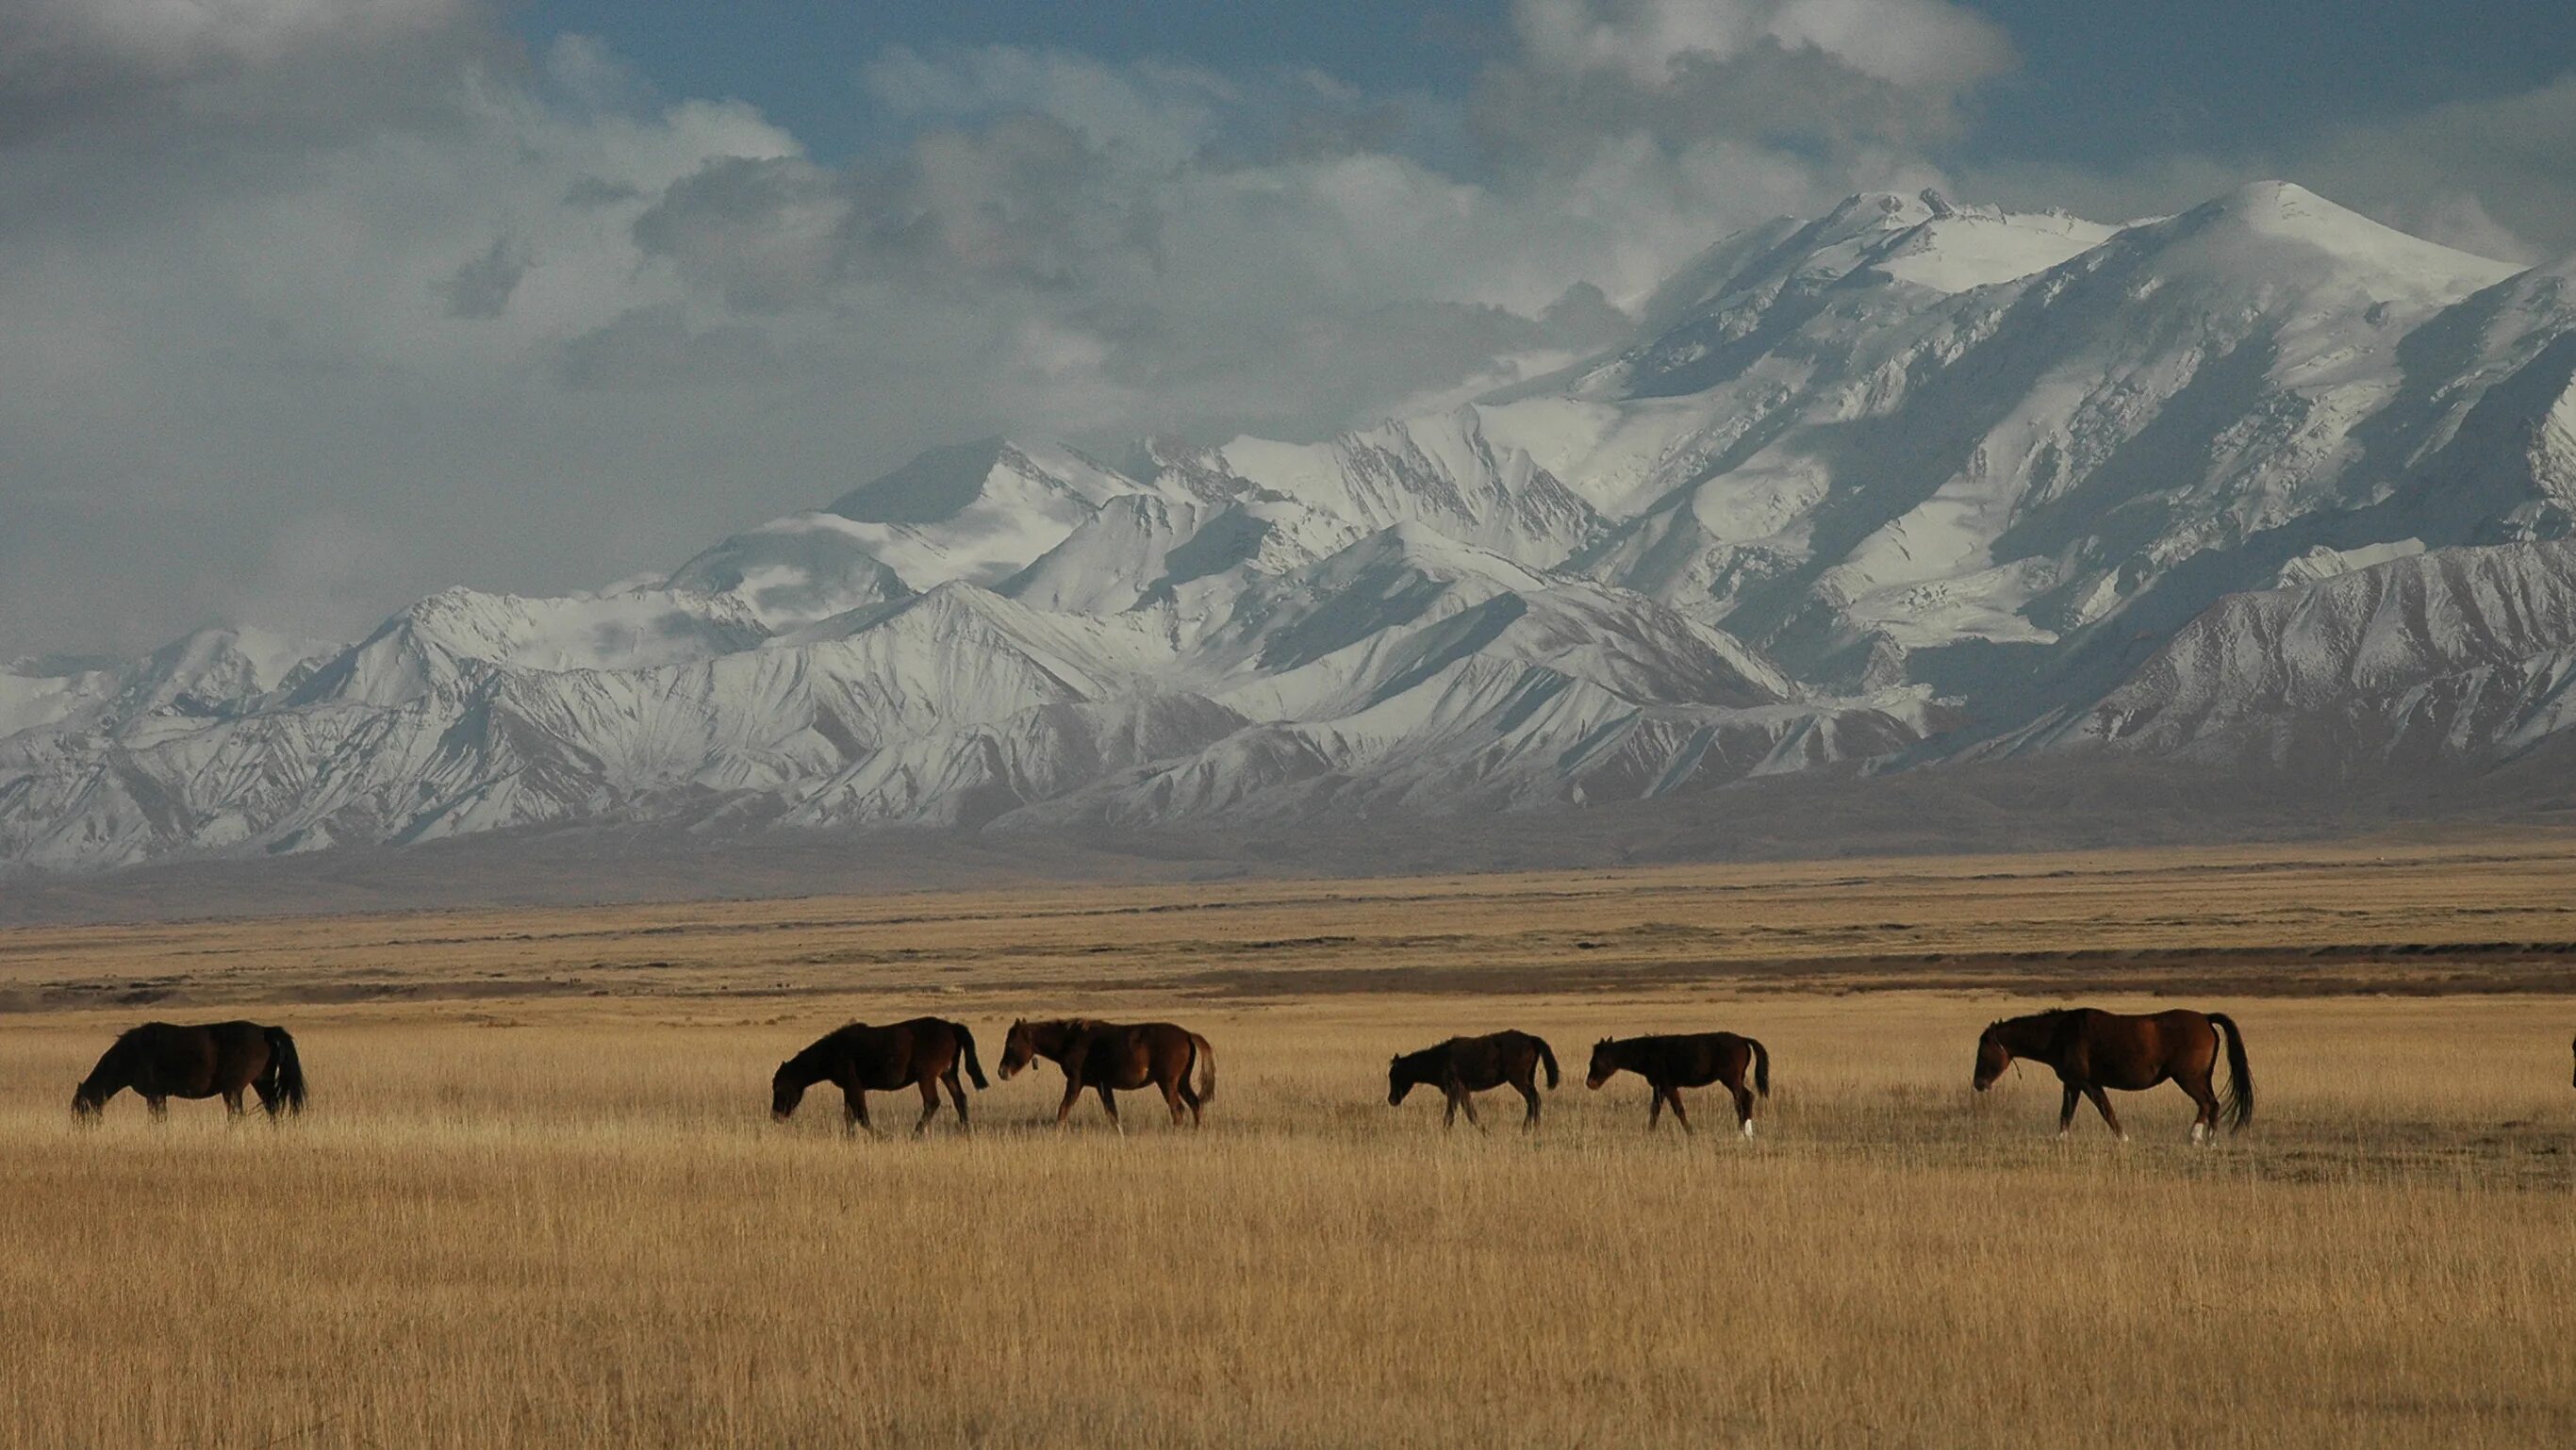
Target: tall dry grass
(581, 1230)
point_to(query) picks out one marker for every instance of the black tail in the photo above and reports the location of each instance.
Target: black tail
(1761, 1067)
(2239, 1106)
(1547, 1055)
(966, 1043)
(285, 1073)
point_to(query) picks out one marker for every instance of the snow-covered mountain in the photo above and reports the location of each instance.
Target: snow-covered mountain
(2262, 485)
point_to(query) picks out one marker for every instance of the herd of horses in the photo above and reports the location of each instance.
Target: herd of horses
(2091, 1051)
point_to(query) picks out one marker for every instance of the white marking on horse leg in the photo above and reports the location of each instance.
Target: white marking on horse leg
(1748, 1127)
(2195, 1130)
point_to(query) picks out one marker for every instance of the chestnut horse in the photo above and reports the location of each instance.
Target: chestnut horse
(1669, 1064)
(1107, 1056)
(219, 1059)
(1465, 1065)
(2093, 1050)
(859, 1059)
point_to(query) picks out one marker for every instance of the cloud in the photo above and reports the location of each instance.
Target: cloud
(482, 287)
(109, 68)
(518, 321)
(1657, 45)
(654, 347)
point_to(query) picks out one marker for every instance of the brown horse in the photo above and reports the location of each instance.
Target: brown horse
(219, 1059)
(1464, 1065)
(1669, 1064)
(1107, 1056)
(2093, 1050)
(859, 1059)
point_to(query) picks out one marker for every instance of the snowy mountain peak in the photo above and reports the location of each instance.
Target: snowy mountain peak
(1910, 482)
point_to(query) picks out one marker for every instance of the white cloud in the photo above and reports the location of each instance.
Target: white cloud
(356, 280)
(1654, 43)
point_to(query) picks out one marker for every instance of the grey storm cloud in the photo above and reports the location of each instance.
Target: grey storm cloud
(482, 287)
(1024, 200)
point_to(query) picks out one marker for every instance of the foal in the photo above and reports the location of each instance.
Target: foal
(1669, 1064)
(1465, 1065)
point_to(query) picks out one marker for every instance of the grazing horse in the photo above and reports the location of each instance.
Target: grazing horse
(1464, 1065)
(219, 1059)
(1106, 1056)
(2093, 1050)
(859, 1059)
(1669, 1064)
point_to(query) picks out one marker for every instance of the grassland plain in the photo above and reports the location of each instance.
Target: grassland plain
(539, 1200)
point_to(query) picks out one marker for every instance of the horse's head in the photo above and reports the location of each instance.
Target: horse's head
(1398, 1081)
(86, 1103)
(1018, 1049)
(786, 1090)
(1992, 1057)
(1605, 1062)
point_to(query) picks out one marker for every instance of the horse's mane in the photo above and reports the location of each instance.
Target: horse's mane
(1422, 1054)
(2053, 1017)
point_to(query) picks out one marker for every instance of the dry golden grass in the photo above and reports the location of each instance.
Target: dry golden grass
(563, 1218)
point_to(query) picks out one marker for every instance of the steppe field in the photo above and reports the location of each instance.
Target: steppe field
(538, 1199)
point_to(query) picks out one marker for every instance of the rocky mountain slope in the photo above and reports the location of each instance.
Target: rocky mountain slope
(2261, 486)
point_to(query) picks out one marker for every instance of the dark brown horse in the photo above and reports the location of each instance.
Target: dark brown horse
(2093, 1050)
(1669, 1064)
(219, 1059)
(859, 1059)
(1109, 1056)
(1464, 1065)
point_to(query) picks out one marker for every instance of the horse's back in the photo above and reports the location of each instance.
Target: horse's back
(1696, 1059)
(2136, 1050)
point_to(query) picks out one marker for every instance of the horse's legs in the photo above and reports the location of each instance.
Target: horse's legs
(1172, 1100)
(1678, 1115)
(1528, 1089)
(929, 1105)
(1458, 1094)
(267, 1096)
(2204, 1124)
(957, 1095)
(855, 1111)
(2104, 1105)
(233, 1103)
(160, 1106)
(1655, 1112)
(1743, 1107)
(1072, 1095)
(1109, 1101)
(2066, 1110)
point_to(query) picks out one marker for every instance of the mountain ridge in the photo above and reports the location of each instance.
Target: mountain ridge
(1908, 486)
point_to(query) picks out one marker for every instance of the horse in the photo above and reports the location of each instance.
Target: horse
(859, 1059)
(1669, 1064)
(1465, 1065)
(2093, 1050)
(1106, 1056)
(161, 1061)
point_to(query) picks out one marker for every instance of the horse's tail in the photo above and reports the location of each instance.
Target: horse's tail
(1547, 1055)
(1207, 1067)
(1761, 1066)
(966, 1046)
(2240, 1087)
(285, 1069)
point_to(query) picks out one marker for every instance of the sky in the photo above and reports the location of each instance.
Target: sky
(311, 307)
